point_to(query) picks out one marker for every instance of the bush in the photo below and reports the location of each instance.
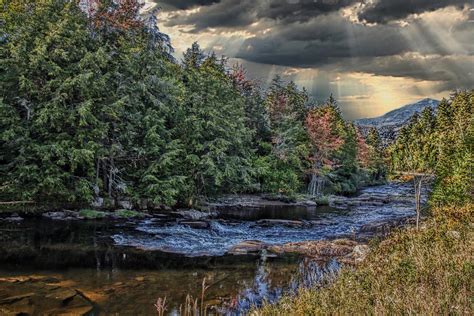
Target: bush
(92, 214)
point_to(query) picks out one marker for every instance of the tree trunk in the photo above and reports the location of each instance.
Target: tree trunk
(316, 184)
(418, 182)
(111, 176)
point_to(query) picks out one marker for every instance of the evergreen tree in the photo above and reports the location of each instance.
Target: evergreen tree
(284, 169)
(213, 130)
(376, 163)
(47, 89)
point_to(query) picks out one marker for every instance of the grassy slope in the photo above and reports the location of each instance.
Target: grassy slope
(429, 272)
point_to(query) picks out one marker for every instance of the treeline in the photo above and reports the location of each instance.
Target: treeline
(441, 144)
(94, 105)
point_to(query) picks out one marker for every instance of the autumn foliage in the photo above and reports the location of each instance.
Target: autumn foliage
(363, 151)
(118, 14)
(323, 137)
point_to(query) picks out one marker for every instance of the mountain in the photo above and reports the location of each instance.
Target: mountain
(390, 123)
(398, 116)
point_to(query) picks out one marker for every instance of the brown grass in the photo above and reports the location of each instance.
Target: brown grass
(426, 272)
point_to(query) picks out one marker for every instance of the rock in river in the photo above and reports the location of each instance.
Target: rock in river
(247, 247)
(38, 295)
(284, 222)
(196, 224)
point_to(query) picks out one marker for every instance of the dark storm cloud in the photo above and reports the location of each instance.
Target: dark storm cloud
(225, 14)
(185, 4)
(420, 50)
(301, 10)
(383, 11)
(322, 41)
(241, 13)
(316, 34)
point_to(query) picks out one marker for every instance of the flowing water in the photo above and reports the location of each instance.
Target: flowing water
(123, 267)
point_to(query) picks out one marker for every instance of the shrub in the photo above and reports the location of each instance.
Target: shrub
(92, 214)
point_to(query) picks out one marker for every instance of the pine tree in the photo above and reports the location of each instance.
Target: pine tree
(376, 163)
(46, 92)
(213, 130)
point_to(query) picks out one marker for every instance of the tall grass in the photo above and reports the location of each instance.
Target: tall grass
(191, 307)
(426, 272)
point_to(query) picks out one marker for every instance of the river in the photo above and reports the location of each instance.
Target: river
(123, 267)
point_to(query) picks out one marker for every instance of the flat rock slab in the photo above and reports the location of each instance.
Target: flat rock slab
(247, 247)
(254, 201)
(38, 296)
(283, 222)
(345, 250)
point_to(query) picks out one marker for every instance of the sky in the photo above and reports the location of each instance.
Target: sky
(372, 55)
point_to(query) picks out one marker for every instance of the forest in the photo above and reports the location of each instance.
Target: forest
(94, 105)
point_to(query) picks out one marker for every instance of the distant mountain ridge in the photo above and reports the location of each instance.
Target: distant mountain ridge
(389, 124)
(400, 115)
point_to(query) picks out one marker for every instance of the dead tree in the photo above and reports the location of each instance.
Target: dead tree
(418, 180)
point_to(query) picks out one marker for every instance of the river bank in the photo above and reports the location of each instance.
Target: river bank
(423, 272)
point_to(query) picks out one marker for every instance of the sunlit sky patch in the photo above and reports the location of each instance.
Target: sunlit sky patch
(373, 55)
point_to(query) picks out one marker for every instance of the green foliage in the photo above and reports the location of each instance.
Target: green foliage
(128, 214)
(91, 214)
(213, 128)
(376, 165)
(285, 166)
(323, 200)
(440, 144)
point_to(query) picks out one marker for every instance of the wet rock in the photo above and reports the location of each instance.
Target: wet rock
(32, 295)
(309, 203)
(347, 251)
(98, 203)
(247, 247)
(15, 298)
(13, 218)
(196, 224)
(284, 222)
(254, 202)
(22, 306)
(62, 215)
(125, 204)
(78, 305)
(384, 227)
(61, 294)
(365, 199)
(142, 204)
(195, 214)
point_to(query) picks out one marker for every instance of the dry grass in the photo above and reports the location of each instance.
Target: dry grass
(427, 272)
